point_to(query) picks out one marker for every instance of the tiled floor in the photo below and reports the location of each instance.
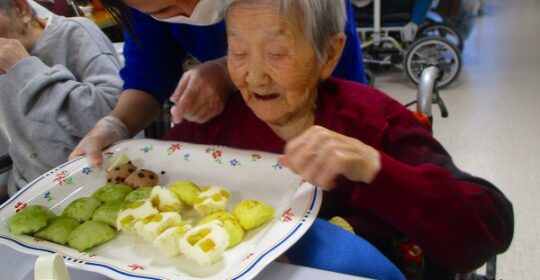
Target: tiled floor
(494, 125)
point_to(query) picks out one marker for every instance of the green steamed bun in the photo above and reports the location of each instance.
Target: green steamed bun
(58, 230)
(112, 192)
(82, 209)
(108, 212)
(138, 194)
(90, 234)
(29, 220)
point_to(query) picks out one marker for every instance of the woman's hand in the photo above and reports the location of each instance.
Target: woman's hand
(320, 155)
(106, 131)
(11, 52)
(202, 92)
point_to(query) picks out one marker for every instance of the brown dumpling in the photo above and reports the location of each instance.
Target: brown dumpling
(142, 178)
(119, 174)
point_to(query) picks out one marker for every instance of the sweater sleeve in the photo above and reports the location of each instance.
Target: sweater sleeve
(351, 65)
(153, 59)
(73, 96)
(460, 221)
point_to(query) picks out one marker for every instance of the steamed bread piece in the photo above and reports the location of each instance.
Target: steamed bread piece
(30, 219)
(253, 213)
(205, 243)
(90, 234)
(58, 230)
(165, 200)
(132, 212)
(168, 241)
(82, 209)
(108, 212)
(112, 192)
(152, 226)
(230, 223)
(187, 191)
(211, 200)
(138, 194)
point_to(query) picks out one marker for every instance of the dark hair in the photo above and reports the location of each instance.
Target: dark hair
(121, 14)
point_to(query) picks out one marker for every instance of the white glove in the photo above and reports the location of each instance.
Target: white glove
(106, 131)
(201, 93)
(409, 32)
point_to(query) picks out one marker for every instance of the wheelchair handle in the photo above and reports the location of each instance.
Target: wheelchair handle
(427, 85)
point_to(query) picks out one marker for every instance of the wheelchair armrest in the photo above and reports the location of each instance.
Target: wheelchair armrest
(5, 163)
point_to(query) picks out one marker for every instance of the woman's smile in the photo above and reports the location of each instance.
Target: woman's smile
(265, 97)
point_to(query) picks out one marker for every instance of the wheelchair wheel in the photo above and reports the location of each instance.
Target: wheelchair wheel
(432, 51)
(443, 30)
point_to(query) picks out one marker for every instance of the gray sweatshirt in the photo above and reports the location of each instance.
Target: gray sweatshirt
(50, 100)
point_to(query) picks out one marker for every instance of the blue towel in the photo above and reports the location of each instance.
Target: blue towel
(329, 247)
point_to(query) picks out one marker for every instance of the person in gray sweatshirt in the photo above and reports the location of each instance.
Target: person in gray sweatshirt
(58, 77)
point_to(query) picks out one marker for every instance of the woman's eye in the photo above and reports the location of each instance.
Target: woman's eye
(276, 55)
(238, 54)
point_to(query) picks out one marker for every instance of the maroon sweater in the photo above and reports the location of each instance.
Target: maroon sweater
(458, 220)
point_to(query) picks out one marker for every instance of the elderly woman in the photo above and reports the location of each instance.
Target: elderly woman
(58, 77)
(381, 170)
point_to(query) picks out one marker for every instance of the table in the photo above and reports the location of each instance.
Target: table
(18, 266)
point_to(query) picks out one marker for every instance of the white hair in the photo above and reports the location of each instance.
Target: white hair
(321, 19)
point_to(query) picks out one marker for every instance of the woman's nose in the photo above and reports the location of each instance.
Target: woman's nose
(256, 72)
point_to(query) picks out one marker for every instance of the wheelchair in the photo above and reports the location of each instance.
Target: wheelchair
(436, 43)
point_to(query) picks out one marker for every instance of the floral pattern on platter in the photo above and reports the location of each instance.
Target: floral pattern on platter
(255, 157)
(277, 166)
(47, 195)
(20, 206)
(216, 154)
(147, 149)
(64, 177)
(87, 170)
(287, 216)
(173, 148)
(108, 155)
(134, 267)
(235, 162)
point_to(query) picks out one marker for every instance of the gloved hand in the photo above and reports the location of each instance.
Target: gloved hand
(106, 131)
(409, 32)
(201, 93)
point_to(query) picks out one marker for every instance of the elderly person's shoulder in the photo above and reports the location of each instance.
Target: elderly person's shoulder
(78, 34)
(75, 26)
(350, 95)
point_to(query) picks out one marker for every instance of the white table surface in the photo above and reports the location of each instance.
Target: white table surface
(18, 266)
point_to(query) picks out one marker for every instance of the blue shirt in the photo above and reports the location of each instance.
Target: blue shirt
(153, 61)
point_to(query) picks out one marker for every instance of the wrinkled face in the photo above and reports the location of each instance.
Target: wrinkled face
(162, 9)
(271, 62)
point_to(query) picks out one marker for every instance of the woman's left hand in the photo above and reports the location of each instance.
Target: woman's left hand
(320, 155)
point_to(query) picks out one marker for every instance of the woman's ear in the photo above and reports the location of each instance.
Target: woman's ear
(334, 49)
(23, 9)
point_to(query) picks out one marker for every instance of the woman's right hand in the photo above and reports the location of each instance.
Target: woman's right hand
(106, 131)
